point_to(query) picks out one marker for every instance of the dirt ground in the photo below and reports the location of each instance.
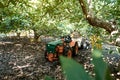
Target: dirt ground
(22, 60)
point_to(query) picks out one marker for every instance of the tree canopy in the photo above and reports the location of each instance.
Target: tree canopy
(59, 16)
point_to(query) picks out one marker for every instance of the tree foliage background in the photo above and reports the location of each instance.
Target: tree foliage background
(58, 17)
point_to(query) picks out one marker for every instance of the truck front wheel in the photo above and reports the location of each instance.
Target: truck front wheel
(50, 57)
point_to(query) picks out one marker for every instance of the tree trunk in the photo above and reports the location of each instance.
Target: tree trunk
(36, 36)
(18, 35)
(92, 20)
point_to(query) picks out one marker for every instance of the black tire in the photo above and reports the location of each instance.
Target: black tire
(81, 47)
(66, 49)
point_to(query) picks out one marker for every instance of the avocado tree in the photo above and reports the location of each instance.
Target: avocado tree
(46, 16)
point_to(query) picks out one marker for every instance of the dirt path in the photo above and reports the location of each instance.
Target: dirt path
(20, 61)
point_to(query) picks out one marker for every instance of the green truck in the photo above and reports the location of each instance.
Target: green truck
(64, 46)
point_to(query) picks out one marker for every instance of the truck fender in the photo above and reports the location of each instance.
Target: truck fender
(72, 43)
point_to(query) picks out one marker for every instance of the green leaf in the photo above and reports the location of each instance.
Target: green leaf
(101, 69)
(107, 76)
(73, 70)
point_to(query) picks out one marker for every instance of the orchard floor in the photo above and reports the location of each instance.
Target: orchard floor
(22, 60)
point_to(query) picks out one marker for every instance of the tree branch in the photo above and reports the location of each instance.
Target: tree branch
(92, 20)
